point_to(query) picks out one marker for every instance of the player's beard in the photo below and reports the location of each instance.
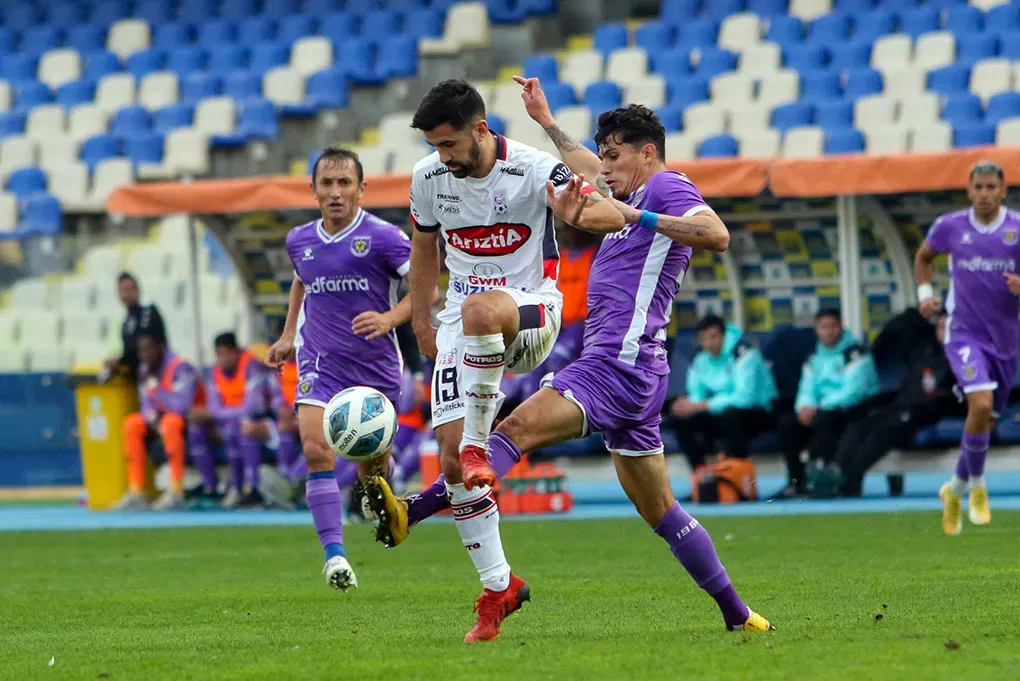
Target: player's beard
(473, 163)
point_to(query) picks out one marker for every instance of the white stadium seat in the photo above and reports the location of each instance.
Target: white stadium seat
(5, 96)
(404, 159)
(991, 76)
(760, 143)
(283, 85)
(753, 118)
(15, 152)
(215, 116)
(83, 327)
(985, 5)
(810, 9)
(158, 89)
(89, 120)
(395, 130)
(1007, 132)
(89, 354)
(905, 82)
(100, 263)
(8, 212)
(679, 147)
(466, 26)
(77, 294)
(649, 90)
(886, 139)
(186, 152)
(506, 102)
(892, 51)
(732, 90)
(779, 88)
(576, 121)
(128, 36)
(57, 150)
(69, 182)
(39, 328)
(311, 54)
(374, 159)
(919, 109)
(110, 174)
(874, 110)
(933, 136)
(580, 69)
(115, 91)
(805, 142)
(739, 32)
(58, 67)
(704, 119)
(30, 294)
(43, 358)
(626, 64)
(761, 60)
(934, 50)
(46, 122)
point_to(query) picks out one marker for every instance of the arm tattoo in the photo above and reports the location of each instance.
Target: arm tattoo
(681, 226)
(564, 142)
(602, 186)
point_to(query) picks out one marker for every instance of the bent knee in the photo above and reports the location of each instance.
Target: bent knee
(135, 425)
(480, 312)
(171, 423)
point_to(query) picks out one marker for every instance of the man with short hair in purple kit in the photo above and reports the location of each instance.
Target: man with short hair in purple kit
(618, 385)
(341, 318)
(982, 328)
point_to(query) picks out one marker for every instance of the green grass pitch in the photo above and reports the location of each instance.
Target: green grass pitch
(853, 597)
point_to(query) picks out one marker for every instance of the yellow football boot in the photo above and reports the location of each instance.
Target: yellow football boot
(952, 516)
(755, 622)
(390, 509)
(977, 507)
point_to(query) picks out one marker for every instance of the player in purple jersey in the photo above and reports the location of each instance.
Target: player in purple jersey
(983, 325)
(618, 385)
(342, 312)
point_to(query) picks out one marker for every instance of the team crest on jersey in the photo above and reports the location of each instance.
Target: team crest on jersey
(304, 387)
(1009, 237)
(361, 246)
(499, 205)
(308, 255)
(969, 372)
(967, 238)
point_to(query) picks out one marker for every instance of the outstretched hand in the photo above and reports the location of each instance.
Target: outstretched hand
(568, 204)
(535, 102)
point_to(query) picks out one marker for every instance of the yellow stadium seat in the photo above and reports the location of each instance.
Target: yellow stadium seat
(577, 43)
(758, 312)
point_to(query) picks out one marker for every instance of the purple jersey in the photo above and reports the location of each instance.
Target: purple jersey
(635, 278)
(356, 270)
(979, 303)
(262, 394)
(178, 398)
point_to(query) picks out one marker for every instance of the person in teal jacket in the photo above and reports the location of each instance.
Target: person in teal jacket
(836, 385)
(730, 390)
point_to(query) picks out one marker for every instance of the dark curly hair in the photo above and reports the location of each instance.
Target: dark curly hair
(633, 124)
(454, 101)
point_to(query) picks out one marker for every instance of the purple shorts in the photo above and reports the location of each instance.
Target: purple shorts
(622, 403)
(322, 375)
(976, 369)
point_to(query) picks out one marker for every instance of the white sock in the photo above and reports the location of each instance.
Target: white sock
(957, 485)
(477, 520)
(977, 482)
(481, 374)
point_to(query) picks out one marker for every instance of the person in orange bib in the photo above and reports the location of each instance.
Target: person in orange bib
(168, 388)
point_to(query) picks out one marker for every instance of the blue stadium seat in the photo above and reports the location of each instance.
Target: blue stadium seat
(95, 149)
(186, 60)
(792, 115)
(22, 15)
(99, 64)
(785, 31)
(424, 23)
(224, 59)
(41, 215)
(718, 146)
(140, 64)
(963, 109)
(130, 120)
(768, 8)
(267, 56)
(609, 37)
(107, 12)
(1002, 106)
(964, 18)
(18, 68)
(819, 85)
(31, 94)
(293, 28)
(8, 40)
(973, 135)
(671, 117)
(559, 95)
(870, 26)
(720, 9)
(356, 57)
(154, 12)
(380, 25)
(671, 63)
(844, 141)
(921, 20)
(504, 12)
(281, 9)
(12, 123)
(172, 34)
(1003, 18)
(1010, 48)
(496, 123)
(238, 9)
(543, 67)
(602, 96)
(241, 85)
(591, 146)
(254, 30)
(339, 27)
(830, 29)
(862, 82)
(697, 34)
(40, 39)
(854, 6)
(654, 36)
(26, 181)
(144, 148)
(677, 11)
(195, 11)
(258, 120)
(86, 38)
(900, 6)
(70, 95)
(216, 32)
(949, 80)
(197, 86)
(399, 59)
(327, 89)
(854, 54)
(836, 114)
(714, 62)
(172, 117)
(805, 58)
(974, 47)
(404, 6)
(687, 90)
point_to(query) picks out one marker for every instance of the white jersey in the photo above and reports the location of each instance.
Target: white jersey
(498, 229)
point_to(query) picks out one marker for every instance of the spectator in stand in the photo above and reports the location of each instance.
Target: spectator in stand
(730, 390)
(836, 384)
(140, 319)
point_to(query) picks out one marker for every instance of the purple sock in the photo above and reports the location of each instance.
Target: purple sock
(251, 456)
(346, 472)
(286, 453)
(327, 510)
(975, 448)
(961, 466)
(503, 454)
(199, 449)
(692, 546)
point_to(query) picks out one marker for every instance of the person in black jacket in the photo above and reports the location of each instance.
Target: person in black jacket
(139, 318)
(927, 395)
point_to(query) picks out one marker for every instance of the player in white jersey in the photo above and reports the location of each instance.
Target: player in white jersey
(493, 201)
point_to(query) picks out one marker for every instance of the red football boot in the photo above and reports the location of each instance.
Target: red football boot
(475, 468)
(495, 606)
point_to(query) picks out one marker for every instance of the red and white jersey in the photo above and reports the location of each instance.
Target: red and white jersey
(498, 229)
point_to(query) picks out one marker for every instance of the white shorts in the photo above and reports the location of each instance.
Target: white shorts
(540, 325)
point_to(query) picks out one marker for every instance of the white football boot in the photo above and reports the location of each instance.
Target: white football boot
(339, 573)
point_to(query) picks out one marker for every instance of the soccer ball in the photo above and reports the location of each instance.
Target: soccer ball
(359, 423)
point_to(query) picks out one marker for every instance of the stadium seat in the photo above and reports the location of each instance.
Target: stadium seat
(169, 35)
(76, 92)
(793, 115)
(496, 124)
(258, 120)
(893, 51)
(760, 144)
(576, 121)
(12, 123)
(973, 48)
(381, 25)
(698, 34)
(704, 119)
(57, 150)
(870, 26)
(115, 91)
(327, 89)
(679, 147)
(560, 95)
(732, 90)
(46, 122)
(1002, 106)
(283, 86)
(921, 108)
(1007, 133)
(141, 64)
(779, 88)
(128, 36)
(153, 12)
(761, 60)
(749, 119)
(886, 139)
(543, 67)
(718, 146)
(339, 27)
(85, 38)
(687, 90)
(935, 50)
(580, 69)
(610, 37)
(16, 152)
(991, 76)
(768, 8)
(59, 67)
(294, 27)
(280, 9)
(961, 109)
(254, 30)
(216, 32)
(18, 69)
(226, 59)
(914, 22)
(158, 90)
(874, 110)
(8, 213)
(931, 137)
(855, 54)
(400, 58)
(949, 80)
(831, 29)
(130, 120)
(626, 64)
(973, 135)
(98, 148)
(649, 90)
(5, 96)
(675, 11)
(215, 116)
(186, 60)
(99, 64)
(820, 85)
(963, 17)
(186, 152)
(32, 94)
(862, 82)
(199, 86)
(905, 82)
(1009, 49)
(69, 183)
(311, 54)
(602, 96)
(654, 36)
(739, 32)
(837, 114)
(22, 16)
(1004, 16)
(107, 175)
(236, 9)
(803, 142)
(714, 62)
(268, 55)
(26, 181)
(355, 57)
(40, 216)
(718, 10)
(423, 23)
(845, 141)
(172, 117)
(671, 117)
(785, 31)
